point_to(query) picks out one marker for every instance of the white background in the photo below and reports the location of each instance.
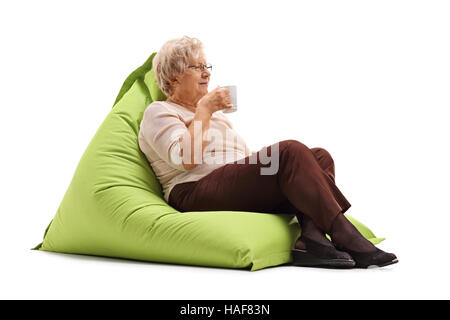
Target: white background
(366, 80)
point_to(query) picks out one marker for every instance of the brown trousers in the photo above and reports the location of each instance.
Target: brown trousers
(303, 184)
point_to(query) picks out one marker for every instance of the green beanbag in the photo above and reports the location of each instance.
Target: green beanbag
(114, 205)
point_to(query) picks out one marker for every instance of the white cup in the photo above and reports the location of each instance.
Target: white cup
(233, 98)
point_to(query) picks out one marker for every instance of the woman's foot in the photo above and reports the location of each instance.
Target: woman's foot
(347, 238)
(314, 249)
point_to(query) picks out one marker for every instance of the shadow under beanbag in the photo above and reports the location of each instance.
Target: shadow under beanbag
(114, 204)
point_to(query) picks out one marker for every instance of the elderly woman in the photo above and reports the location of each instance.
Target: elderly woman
(199, 173)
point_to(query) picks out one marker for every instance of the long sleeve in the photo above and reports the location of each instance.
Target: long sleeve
(162, 129)
(164, 123)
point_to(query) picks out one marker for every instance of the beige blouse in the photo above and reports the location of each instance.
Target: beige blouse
(162, 125)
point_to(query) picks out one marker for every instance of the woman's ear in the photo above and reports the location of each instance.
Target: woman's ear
(173, 81)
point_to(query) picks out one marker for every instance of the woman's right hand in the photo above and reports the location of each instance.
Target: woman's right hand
(215, 100)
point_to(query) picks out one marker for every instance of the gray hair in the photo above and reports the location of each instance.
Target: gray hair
(173, 58)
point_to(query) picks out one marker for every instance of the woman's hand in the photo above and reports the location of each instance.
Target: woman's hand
(215, 100)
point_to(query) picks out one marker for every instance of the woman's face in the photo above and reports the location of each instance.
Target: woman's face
(193, 84)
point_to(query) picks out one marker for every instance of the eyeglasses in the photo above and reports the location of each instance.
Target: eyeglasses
(202, 67)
